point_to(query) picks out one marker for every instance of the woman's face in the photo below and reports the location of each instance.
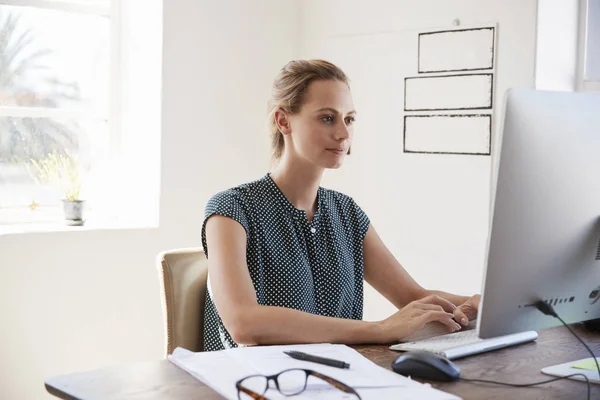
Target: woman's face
(322, 131)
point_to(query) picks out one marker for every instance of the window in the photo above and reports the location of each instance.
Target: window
(83, 77)
(55, 91)
(590, 46)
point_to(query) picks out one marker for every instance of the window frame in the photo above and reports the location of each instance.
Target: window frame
(114, 13)
(64, 5)
(584, 85)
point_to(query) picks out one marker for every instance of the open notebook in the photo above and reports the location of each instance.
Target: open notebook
(435, 338)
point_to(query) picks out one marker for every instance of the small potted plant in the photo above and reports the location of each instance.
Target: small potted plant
(62, 170)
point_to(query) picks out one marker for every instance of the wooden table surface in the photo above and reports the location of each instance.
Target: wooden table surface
(519, 364)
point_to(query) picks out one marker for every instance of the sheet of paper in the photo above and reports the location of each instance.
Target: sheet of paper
(222, 369)
(362, 372)
(424, 392)
(213, 368)
(588, 364)
(393, 393)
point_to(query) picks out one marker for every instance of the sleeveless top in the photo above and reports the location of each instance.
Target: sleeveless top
(315, 267)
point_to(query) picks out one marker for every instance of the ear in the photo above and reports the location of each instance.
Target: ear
(283, 122)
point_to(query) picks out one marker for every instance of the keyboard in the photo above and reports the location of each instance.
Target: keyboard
(465, 343)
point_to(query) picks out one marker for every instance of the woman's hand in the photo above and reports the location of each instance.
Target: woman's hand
(467, 310)
(416, 314)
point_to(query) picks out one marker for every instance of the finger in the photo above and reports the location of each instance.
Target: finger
(440, 301)
(431, 307)
(440, 316)
(469, 311)
(461, 317)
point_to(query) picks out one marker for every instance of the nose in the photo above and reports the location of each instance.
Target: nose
(343, 131)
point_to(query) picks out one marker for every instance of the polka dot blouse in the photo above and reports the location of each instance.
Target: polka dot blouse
(315, 266)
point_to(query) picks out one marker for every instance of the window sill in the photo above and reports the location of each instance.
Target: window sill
(59, 226)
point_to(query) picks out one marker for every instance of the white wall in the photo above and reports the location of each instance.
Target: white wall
(557, 45)
(431, 210)
(75, 301)
(81, 300)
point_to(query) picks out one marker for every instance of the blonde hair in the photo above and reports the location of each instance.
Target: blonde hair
(288, 90)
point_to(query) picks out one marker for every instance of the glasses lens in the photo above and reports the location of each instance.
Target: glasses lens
(292, 382)
(257, 384)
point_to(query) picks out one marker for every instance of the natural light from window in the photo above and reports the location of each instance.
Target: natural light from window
(54, 97)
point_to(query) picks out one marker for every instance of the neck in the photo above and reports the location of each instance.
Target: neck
(299, 183)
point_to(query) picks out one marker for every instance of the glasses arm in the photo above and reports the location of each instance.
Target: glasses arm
(334, 382)
(249, 392)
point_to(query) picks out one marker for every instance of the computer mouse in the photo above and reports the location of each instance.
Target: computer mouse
(426, 365)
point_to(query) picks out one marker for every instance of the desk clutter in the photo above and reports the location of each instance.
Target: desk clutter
(244, 372)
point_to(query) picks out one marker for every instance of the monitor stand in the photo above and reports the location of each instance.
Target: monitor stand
(567, 369)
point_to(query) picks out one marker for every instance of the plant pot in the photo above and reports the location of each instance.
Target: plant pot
(73, 212)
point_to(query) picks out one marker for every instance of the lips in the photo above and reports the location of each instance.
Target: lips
(336, 151)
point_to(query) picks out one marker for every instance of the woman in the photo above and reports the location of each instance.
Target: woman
(287, 258)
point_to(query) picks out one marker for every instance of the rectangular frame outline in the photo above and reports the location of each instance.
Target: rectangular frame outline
(489, 117)
(451, 109)
(457, 30)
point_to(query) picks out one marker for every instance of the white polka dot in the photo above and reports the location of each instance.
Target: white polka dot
(313, 266)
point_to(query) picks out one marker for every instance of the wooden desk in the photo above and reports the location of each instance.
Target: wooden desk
(519, 364)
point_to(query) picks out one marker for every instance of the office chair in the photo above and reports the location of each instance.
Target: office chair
(183, 274)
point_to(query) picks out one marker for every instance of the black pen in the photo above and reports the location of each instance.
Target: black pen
(298, 355)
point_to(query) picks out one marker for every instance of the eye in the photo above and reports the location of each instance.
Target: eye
(350, 120)
(328, 119)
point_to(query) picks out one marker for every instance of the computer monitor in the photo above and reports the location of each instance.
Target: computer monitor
(544, 236)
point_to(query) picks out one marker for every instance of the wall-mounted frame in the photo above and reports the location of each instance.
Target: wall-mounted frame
(465, 134)
(456, 50)
(449, 92)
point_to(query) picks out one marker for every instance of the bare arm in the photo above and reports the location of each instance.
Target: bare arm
(246, 320)
(251, 323)
(385, 273)
(389, 278)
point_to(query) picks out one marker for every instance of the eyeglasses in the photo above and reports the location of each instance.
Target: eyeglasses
(289, 383)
